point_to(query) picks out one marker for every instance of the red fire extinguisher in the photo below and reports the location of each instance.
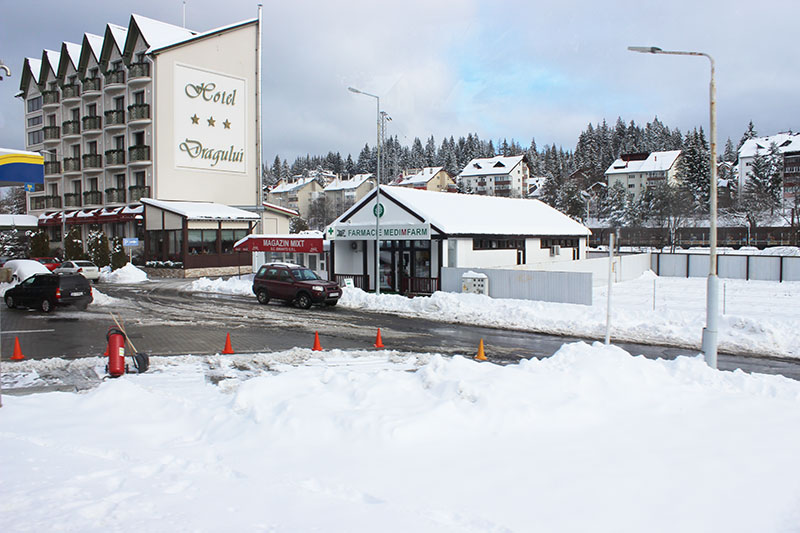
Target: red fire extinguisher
(116, 352)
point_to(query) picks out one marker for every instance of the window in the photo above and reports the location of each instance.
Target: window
(119, 181)
(76, 150)
(91, 110)
(53, 189)
(564, 243)
(91, 147)
(202, 241)
(138, 97)
(138, 178)
(76, 187)
(93, 184)
(495, 244)
(34, 104)
(119, 142)
(35, 137)
(35, 121)
(119, 103)
(138, 138)
(229, 238)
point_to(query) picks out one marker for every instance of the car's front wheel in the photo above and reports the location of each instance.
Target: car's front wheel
(46, 306)
(10, 302)
(303, 301)
(263, 297)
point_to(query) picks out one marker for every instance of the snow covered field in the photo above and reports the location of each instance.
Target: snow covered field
(591, 439)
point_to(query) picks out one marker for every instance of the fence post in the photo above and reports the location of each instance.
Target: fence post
(688, 264)
(610, 272)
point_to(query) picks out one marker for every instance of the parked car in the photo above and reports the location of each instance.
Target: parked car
(48, 291)
(24, 268)
(50, 262)
(87, 269)
(294, 284)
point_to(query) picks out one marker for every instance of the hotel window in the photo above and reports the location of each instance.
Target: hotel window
(92, 184)
(34, 104)
(35, 121)
(35, 137)
(119, 142)
(138, 178)
(138, 138)
(119, 103)
(138, 97)
(53, 189)
(116, 65)
(76, 150)
(94, 73)
(76, 114)
(91, 110)
(91, 147)
(119, 181)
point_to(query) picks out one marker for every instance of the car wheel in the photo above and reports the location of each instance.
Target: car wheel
(10, 302)
(46, 306)
(303, 301)
(263, 297)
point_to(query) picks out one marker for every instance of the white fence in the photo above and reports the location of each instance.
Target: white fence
(755, 267)
(563, 287)
(626, 267)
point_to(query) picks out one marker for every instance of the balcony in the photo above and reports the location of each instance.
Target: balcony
(37, 203)
(45, 202)
(72, 164)
(115, 196)
(91, 87)
(92, 198)
(115, 118)
(70, 128)
(51, 133)
(52, 167)
(139, 154)
(50, 98)
(92, 161)
(115, 80)
(92, 123)
(138, 113)
(70, 92)
(72, 199)
(139, 72)
(138, 192)
(115, 158)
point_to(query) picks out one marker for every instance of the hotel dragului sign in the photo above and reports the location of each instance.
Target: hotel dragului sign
(210, 120)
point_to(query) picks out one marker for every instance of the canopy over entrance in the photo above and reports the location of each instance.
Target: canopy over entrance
(18, 167)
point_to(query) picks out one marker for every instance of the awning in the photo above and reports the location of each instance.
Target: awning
(18, 167)
(93, 216)
(279, 243)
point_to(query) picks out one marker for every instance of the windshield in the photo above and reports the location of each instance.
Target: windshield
(304, 274)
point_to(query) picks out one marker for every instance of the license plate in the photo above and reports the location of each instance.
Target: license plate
(76, 294)
(334, 294)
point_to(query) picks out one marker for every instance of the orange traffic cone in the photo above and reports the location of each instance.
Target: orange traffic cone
(378, 341)
(317, 346)
(228, 348)
(481, 355)
(17, 351)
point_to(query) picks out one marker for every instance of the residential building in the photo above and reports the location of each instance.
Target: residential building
(297, 195)
(150, 110)
(341, 193)
(788, 145)
(640, 171)
(276, 219)
(429, 179)
(496, 176)
(423, 231)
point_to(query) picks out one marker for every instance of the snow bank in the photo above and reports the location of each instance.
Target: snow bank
(242, 285)
(591, 439)
(102, 299)
(126, 274)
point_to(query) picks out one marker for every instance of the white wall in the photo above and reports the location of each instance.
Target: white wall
(626, 267)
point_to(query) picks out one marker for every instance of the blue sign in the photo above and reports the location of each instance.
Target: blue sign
(130, 243)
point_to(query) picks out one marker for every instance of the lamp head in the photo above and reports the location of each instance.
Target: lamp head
(645, 49)
(353, 90)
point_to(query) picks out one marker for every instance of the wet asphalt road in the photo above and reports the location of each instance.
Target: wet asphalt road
(163, 320)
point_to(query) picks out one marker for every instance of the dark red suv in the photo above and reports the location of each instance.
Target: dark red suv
(294, 284)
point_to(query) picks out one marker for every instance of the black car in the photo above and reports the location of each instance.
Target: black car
(294, 284)
(46, 291)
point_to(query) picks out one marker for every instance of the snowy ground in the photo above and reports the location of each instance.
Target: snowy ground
(591, 439)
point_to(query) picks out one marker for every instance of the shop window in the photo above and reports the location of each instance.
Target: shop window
(202, 241)
(229, 238)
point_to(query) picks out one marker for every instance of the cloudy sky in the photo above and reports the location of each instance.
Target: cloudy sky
(502, 69)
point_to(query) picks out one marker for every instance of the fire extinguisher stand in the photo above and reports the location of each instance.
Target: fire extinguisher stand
(141, 361)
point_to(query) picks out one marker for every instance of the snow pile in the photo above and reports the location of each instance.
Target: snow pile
(242, 285)
(591, 439)
(102, 299)
(127, 274)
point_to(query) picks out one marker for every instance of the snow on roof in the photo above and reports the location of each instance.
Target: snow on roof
(786, 142)
(490, 166)
(293, 186)
(19, 221)
(421, 177)
(281, 209)
(51, 57)
(95, 44)
(201, 35)
(343, 185)
(201, 210)
(73, 53)
(472, 214)
(655, 162)
(118, 33)
(158, 34)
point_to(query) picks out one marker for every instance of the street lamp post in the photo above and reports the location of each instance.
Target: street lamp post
(377, 193)
(712, 293)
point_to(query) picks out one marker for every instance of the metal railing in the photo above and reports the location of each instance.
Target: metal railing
(52, 167)
(51, 133)
(91, 84)
(92, 161)
(92, 122)
(115, 157)
(115, 196)
(115, 77)
(360, 281)
(71, 127)
(115, 117)
(92, 198)
(138, 111)
(72, 164)
(139, 153)
(50, 97)
(72, 90)
(139, 70)
(137, 192)
(72, 199)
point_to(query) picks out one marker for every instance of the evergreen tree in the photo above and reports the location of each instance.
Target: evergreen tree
(297, 224)
(73, 246)
(430, 152)
(417, 154)
(751, 133)
(695, 169)
(118, 256)
(40, 245)
(730, 154)
(97, 247)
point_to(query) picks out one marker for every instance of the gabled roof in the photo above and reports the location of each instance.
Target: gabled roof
(114, 37)
(351, 184)
(422, 177)
(70, 55)
(472, 214)
(655, 162)
(50, 60)
(491, 166)
(91, 48)
(154, 33)
(203, 35)
(786, 142)
(30, 73)
(293, 186)
(201, 210)
(280, 209)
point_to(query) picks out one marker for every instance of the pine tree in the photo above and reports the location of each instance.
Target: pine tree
(695, 168)
(39, 247)
(73, 245)
(751, 133)
(118, 256)
(97, 247)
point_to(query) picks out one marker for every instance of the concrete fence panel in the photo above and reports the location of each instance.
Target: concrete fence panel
(561, 287)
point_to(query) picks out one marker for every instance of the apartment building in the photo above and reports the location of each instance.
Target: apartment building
(150, 110)
(342, 193)
(640, 171)
(788, 145)
(428, 178)
(496, 176)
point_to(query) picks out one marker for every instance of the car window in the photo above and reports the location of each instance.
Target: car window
(304, 274)
(262, 272)
(272, 274)
(84, 263)
(285, 276)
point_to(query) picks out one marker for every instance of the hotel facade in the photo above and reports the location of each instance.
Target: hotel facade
(149, 111)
